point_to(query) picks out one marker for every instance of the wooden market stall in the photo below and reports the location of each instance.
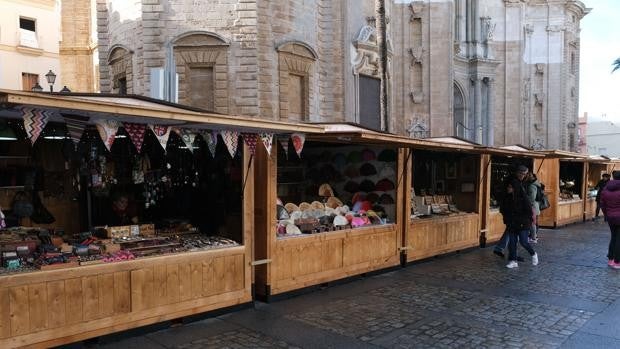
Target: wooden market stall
(334, 211)
(564, 176)
(597, 165)
(444, 201)
(503, 162)
(68, 302)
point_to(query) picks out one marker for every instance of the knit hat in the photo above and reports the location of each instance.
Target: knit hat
(351, 187)
(387, 172)
(354, 157)
(367, 186)
(387, 155)
(385, 185)
(368, 155)
(372, 197)
(386, 199)
(351, 171)
(368, 169)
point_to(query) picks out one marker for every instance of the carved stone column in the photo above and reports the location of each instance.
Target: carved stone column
(477, 109)
(490, 110)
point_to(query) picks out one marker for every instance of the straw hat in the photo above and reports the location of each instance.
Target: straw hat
(317, 205)
(290, 207)
(326, 190)
(304, 206)
(333, 202)
(292, 229)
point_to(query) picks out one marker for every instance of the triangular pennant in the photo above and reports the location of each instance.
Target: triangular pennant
(107, 131)
(188, 137)
(211, 138)
(162, 133)
(34, 122)
(75, 125)
(267, 139)
(136, 134)
(298, 142)
(231, 139)
(251, 139)
(284, 144)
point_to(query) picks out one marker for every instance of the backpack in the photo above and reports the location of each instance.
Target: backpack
(541, 197)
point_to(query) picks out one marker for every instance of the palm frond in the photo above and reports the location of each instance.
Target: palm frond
(616, 65)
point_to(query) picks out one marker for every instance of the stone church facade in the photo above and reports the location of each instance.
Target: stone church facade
(492, 71)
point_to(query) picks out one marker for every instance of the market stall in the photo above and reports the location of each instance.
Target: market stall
(327, 207)
(597, 165)
(503, 162)
(445, 197)
(157, 221)
(564, 176)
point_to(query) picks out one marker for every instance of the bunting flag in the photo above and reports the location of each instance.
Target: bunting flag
(188, 137)
(284, 144)
(136, 134)
(251, 139)
(267, 139)
(107, 131)
(231, 139)
(211, 138)
(298, 142)
(75, 125)
(162, 133)
(34, 122)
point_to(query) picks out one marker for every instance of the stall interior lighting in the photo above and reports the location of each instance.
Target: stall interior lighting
(6, 132)
(120, 136)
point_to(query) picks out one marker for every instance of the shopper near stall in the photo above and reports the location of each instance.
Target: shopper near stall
(122, 212)
(518, 210)
(519, 175)
(599, 189)
(610, 204)
(532, 186)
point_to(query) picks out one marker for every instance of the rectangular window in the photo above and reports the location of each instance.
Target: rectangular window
(27, 24)
(29, 80)
(296, 93)
(369, 100)
(202, 88)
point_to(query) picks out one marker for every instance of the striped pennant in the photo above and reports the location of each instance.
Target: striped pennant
(34, 122)
(75, 125)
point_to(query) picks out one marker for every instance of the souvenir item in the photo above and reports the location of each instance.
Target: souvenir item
(136, 134)
(267, 139)
(368, 155)
(387, 172)
(333, 202)
(34, 122)
(340, 221)
(367, 186)
(326, 190)
(368, 169)
(250, 140)
(357, 222)
(162, 133)
(292, 229)
(352, 171)
(384, 185)
(304, 206)
(231, 139)
(317, 205)
(298, 142)
(290, 207)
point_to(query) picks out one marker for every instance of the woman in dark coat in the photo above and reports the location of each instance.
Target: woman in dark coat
(517, 211)
(610, 203)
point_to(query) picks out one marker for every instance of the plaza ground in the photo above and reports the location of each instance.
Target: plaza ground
(469, 299)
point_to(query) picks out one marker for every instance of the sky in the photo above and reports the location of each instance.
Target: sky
(600, 46)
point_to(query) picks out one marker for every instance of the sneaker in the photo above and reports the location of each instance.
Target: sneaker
(535, 259)
(615, 265)
(514, 264)
(499, 253)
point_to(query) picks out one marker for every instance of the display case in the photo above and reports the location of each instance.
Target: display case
(444, 203)
(341, 220)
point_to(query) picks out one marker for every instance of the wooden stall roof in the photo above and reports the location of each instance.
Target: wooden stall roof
(599, 159)
(350, 133)
(564, 155)
(130, 108)
(513, 151)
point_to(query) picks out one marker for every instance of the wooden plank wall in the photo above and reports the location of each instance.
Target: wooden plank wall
(44, 306)
(548, 172)
(496, 226)
(435, 236)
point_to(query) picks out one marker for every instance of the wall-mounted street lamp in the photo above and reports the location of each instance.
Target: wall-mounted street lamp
(51, 78)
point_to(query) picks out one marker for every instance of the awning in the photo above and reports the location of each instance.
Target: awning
(565, 155)
(138, 109)
(513, 151)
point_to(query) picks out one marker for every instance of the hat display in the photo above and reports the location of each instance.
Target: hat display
(368, 155)
(340, 221)
(373, 197)
(333, 202)
(387, 155)
(368, 169)
(367, 186)
(304, 206)
(317, 205)
(351, 171)
(340, 160)
(386, 199)
(359, 196)
(357, 222)
(292, 229)
(290, 207)
(326, 190)
(385, 185)
(351, 187)
(281, 212)
(387, 172)
(354, 157)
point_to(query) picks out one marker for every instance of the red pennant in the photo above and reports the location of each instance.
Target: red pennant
(136, 134)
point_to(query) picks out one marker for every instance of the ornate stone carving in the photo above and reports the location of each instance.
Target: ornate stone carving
(538, 144)
(488, 28)
(540, 68)
(416, 10)
(416, 54)
(539, 98)
(457, 47)
(555, 28)
(529, 29)
(417, 97)
(418, 129)
(367, 60)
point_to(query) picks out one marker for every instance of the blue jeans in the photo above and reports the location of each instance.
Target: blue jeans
(521, 236)
(503, 242)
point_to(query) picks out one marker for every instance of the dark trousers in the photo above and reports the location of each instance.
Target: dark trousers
(614, 243)
(521, 236)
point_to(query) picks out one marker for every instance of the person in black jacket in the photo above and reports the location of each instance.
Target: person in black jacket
(517, 211)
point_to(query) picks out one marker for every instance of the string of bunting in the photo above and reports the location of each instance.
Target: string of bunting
(34, 122)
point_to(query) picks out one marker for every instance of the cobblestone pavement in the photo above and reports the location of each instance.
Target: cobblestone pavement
(465, 300)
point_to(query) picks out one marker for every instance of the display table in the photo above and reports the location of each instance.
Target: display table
(434, 236)
(49, 308)
(570, 211)
(308, 260)
(496, 226)
(590, 208)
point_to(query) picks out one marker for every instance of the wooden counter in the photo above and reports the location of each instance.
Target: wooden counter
(307, 260)
(438, 235)
(590, 208)
(496, 226)
(50, 308)
(570, 212)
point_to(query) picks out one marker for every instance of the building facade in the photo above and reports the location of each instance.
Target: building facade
(37, 36)
(603, 136)
(494, 71)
